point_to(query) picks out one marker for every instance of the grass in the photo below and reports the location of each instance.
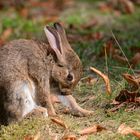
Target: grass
(126, 29)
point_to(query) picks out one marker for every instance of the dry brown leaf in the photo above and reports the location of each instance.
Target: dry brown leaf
(69, 137)
(134, 49)
(1, 42)
(90, 24)
(6, 34)
(135, 60)
(29, 137)
(85, 137)
(126, 95)
(105, 78)
(92, 129)
(128, 6)
(54, 137)
(24, 12)
(125, 6)
(125, 130)
(120, 59)
(94, 36)
(105, 7)
(131, 79)
(59, 122)
(114, 102)
(109, 49)
(117, 107)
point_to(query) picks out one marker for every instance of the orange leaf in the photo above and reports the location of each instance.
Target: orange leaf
(6, 34)
(85, 137)
(36, 137)
(128, 5)
(119, 58)
(125, 130)
(59, 122)
(105, 78)
(92, 129)
(131, 79)
(135, 60)
(69, 137)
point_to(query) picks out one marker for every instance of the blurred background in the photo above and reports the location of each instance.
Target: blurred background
(94, 27)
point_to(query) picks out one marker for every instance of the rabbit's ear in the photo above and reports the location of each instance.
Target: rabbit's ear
(59, 28)
(54, 40)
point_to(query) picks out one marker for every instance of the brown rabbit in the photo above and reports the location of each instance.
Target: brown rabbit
(29, 69)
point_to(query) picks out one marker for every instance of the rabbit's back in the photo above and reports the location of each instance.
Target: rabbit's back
(19, 61)
(16, 56)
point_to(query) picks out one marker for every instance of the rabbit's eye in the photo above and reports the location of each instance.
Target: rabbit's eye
(60, 65)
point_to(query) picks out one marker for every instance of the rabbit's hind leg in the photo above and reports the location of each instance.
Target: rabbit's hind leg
(70, 102)
(20, 100)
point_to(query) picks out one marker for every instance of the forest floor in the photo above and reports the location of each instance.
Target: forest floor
(89, 29)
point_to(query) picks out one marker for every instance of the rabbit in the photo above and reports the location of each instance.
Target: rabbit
(29, 69)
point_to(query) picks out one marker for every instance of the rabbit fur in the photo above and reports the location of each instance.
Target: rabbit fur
(29, 69)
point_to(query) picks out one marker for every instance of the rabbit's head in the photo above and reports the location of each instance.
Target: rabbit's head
(67, 70)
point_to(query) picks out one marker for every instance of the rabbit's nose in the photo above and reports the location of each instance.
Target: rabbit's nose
(70, 77)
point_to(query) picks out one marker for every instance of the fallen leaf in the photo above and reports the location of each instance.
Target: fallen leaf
(110, 49)
(114, 102)
(105, 78)
(125, 130)
(135, 60)
(59, 122)
(69, 137)
(125, 6)
(117, 107)
(1, 42)
(6, 34)
(54, 137)
(29, 137)
(24, 12)
(120, 59)
(128, 6)
(134, 49)
(133, 80)
(93, 36)
(104, 7)
(126, 95)
(90, 24)
(85, 137)
(92, 129)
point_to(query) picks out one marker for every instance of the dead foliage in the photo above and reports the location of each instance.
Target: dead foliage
(92, 130)
(59, 122)
(125, 130)
(131, 99)
(123, 6)
(105, 78)
(31, 137)
(69, 137)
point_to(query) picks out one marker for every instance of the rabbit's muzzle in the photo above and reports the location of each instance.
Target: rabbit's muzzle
(65, 90)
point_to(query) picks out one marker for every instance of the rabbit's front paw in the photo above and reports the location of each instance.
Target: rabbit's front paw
(81, 112)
